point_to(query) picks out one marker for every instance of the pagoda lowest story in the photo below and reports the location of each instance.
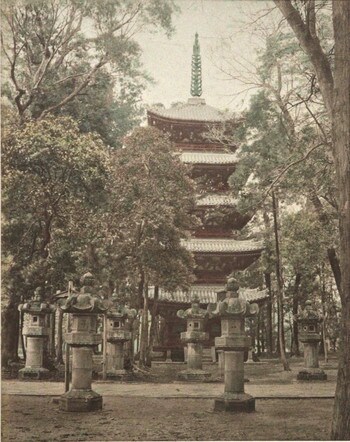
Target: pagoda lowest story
(215, 245)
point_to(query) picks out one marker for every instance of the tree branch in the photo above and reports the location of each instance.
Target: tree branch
(312, 47)
(286, 168)
(76, 91)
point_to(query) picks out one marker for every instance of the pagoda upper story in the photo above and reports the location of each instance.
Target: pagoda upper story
(188, 122)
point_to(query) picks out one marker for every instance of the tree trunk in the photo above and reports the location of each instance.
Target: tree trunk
(144, 329)
(341, 143)
(153, 328)
(9, 334)
(295, 337)
(21, 334)
(331, 252)
(269, 335)
(279, 285)
(258, 333)
(59, 354)
(53, 335)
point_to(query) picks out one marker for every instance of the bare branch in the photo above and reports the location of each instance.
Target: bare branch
(76, 91)
(286, 168)
(312, 47)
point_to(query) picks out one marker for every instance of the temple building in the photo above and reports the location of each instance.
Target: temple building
(216, 246)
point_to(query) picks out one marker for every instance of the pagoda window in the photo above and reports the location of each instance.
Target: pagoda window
(35, 319)
(196, 325)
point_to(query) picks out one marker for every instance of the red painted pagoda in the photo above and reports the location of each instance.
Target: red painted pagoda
(217, 250)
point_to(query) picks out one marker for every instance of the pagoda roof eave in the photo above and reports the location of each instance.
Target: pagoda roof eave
(216, 200)
(207, 294)
(188, 120)
(208, 158)
(223, 246)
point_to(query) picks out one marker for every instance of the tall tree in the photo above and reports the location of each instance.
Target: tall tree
(151, 197)
(53, 183)
(335, 89)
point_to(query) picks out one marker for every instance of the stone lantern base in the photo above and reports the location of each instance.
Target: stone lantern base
(235, 403)
(311, 374)
(80, 400)
(194, 375)
(39, 373)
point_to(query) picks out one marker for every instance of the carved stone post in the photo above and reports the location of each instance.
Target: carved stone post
(37, 333)
(233, 341)
(84, 308)
(309, 323)
(194, 338)
(117, 335)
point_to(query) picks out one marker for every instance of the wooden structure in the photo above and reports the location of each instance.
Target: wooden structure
(216, 245)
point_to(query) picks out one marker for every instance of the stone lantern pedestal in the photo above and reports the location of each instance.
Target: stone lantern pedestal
(234, 342)
(194, 338)
(309, 322)
(117, 335)
(84, 308)
(36, 332)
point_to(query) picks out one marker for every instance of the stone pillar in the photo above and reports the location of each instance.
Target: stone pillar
(81, 368)
(213, 354)
(234, 372)
(309, 323)
(194, 338)
(117, 335)
(233, 343)
(221, 361)
(115, 358)
(82, 338)
(36, 333)
(194, 356)
(250, 359)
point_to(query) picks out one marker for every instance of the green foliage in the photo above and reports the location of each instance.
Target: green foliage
(305, 241)
(79, 58)
(150, 197)
(54, 182)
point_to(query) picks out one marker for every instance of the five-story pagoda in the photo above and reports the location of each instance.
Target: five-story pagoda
(215, 245)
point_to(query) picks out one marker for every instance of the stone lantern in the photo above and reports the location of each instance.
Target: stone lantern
(84, 308)
(117, 335)
(37, 332)
(194, 338)
(233, 341)
(309, 324)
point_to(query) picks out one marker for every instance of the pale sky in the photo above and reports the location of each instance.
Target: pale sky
(217, 22)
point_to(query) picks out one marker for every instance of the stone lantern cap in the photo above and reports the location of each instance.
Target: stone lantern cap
(36, 306)
(234, 305)
(118, 310)
(309, 314)
(194, 312)
(86, 301)
(195, 323)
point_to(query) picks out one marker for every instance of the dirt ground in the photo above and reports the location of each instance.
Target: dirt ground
(28, 418)
(37, 418)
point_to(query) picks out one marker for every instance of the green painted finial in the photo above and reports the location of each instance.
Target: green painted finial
(196, 72)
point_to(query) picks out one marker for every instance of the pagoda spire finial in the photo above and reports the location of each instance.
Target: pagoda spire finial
(196, 71)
